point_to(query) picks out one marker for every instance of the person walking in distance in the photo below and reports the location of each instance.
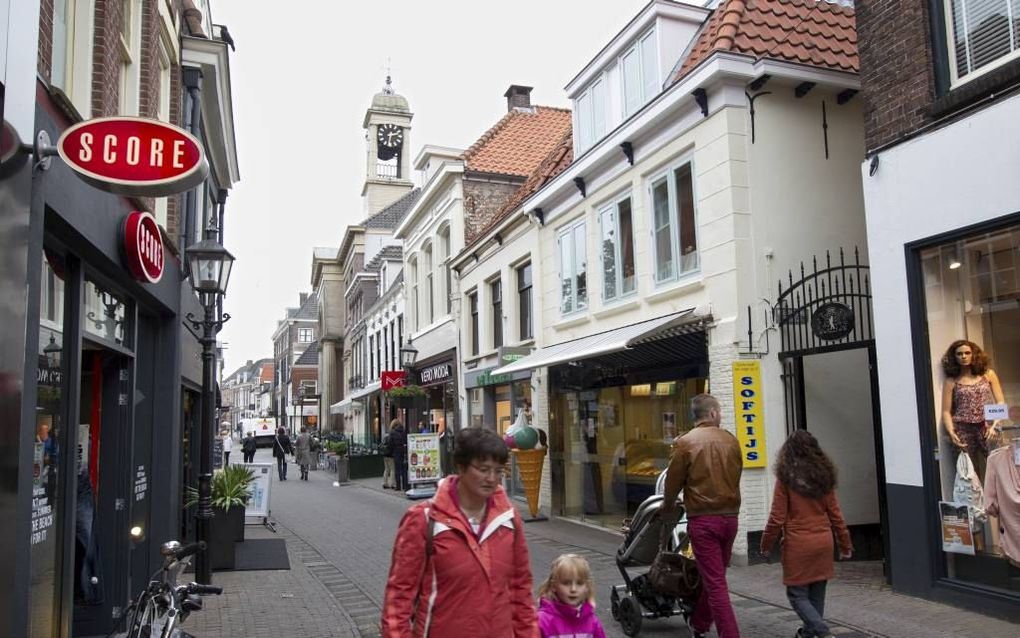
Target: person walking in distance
(806, 512)
(706, 465)
(228, 444)
(303, 456)
(248, 447)
(460, 564)
(386, 449)
(398, 444)
(281, 448)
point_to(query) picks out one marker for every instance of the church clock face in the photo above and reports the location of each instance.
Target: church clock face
(390, 137)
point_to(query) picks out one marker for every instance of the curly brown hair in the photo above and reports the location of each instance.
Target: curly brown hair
(979, 361)
(804, 468)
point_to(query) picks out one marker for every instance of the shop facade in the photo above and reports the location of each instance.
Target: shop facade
(954, 245)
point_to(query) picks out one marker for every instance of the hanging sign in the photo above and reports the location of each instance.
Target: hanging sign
(747, 408)
(392, 379)
(134, 156)
(143, 247)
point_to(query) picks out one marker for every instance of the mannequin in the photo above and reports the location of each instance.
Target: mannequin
(970, 385)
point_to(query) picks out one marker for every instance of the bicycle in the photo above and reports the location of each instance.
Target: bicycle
(163, 605)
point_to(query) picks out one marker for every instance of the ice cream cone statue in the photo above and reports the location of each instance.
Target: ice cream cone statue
(523, 440)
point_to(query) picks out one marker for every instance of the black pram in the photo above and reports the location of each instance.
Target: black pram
(636, 599)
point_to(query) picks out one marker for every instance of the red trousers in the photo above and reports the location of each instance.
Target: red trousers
(712, 538)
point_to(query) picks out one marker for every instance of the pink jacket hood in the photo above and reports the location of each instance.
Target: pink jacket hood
(556, 619)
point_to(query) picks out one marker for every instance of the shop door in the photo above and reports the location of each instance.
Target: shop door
(831, 387)
(103, 486)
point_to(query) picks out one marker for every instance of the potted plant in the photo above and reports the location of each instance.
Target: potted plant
(405, 396)
(340, 450)
(230, 489)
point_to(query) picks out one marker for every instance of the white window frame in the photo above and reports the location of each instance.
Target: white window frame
(955, 79)
(72, 74)
(427, 265)
(645, 69)
(302, 332)
(668, 174)
(131, 55)
(412, 301)
(569, 231)
(589, 123)
(613, 206)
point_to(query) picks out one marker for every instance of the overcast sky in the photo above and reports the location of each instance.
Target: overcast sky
(305, 72)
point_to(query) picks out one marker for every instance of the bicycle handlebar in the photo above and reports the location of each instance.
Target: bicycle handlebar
(204, 590)
(189, 550)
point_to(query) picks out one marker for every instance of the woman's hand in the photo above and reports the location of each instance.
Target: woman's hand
(955, 439)
(993, 431)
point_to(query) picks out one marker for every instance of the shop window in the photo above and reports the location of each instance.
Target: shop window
(972, 308)
(573, 268)
(982, 35)
(105, 314)
(675, 242)
(617, 249)
(473, 305)
(524, 302)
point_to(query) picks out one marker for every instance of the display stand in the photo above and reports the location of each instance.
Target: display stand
(257, 511)
(423, 471)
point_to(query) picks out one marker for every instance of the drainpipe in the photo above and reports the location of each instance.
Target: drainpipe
(192, 124)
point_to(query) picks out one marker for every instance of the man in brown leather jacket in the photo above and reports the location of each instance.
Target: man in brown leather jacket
(706, 465)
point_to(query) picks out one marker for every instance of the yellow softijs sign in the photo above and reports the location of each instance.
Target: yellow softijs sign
(748, 410)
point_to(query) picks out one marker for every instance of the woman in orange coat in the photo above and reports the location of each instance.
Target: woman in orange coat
(805, 510)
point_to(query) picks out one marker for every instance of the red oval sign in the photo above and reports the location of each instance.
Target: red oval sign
(143, 247)
(134, 156)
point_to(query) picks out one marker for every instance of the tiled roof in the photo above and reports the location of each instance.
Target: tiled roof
(310, 357)
(389, 252)
(266, 372)
(309, 309)
(391, 216)
(814, 32)
(518, 142)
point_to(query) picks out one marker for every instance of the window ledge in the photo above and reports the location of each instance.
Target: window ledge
(572, 321)
(971, 91)
(480, 356)
(617, 308)
(690, 283)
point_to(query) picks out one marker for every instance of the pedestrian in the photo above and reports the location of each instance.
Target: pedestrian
(303, 456)
(398, 443)
(706, 465)
(248, 447)
(460, 564)
(567, 600)
(388, 477)
(281, 448)
(228, 444)
(805, 510)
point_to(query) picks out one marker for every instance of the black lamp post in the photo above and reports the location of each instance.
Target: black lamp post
(408, 355)
(210, 265)
(52, 352)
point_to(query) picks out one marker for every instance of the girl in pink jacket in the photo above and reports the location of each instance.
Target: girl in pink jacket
(567, 601)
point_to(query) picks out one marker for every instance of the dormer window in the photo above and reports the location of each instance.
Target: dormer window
(590, 107)
(640, 71)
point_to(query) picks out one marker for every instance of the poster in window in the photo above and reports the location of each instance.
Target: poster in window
(957, 537)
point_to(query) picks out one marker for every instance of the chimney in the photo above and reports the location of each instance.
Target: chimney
(303, 297)
(518, 97)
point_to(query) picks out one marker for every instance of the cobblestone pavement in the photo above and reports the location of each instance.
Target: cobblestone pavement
(339, 541)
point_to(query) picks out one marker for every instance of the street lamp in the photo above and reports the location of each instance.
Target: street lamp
(52, 352)
(210, 265)
(408, 355)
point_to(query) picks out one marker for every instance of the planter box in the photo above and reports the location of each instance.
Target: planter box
(367, 466)
(343, 469)
(222, 536)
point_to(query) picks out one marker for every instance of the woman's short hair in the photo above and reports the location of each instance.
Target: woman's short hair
(979, 361)
(478, 444)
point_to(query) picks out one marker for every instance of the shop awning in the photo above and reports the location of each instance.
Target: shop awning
(365, 391)
(340, 407)
(602, 343)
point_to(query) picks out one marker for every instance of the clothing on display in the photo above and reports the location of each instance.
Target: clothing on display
(1002, 496)
(967, 489)
(969, 420)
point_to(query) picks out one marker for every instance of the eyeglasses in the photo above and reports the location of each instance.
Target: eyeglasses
(496, 471)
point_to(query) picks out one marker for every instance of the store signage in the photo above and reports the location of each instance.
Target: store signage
(957, 536)
(832, 321)
(996, 411)
(423, 458)
(438, 373)
(747, 408)
(134, 156)
(143, 247)
(510, 354)
(392, 379)
(309, 410)
(641, 390)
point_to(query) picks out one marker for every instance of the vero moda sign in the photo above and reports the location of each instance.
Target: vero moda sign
(134, 156)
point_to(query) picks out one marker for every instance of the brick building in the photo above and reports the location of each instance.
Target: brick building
(942, 115)
(294, 335)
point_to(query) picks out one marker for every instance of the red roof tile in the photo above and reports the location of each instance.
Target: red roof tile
(518, 142)
(813, 32)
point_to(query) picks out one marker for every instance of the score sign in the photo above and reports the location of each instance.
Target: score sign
(134, 156)
(143, 247)
(748, 410)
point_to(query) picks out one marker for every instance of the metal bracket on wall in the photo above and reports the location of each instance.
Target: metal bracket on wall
(803, 88)
(825, 129)
(579, 183)
(701, 97)
(628, 151)
(750, 333)
(750, 100)
(845, 96)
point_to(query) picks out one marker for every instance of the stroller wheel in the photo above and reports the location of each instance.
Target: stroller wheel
(630, 616)
(614, 603)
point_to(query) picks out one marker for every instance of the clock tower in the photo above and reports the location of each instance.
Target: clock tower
(387, 133)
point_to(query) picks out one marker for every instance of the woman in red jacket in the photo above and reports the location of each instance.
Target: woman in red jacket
(805, 509)
(460, 563)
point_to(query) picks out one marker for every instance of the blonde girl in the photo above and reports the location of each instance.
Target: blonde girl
(567, 600)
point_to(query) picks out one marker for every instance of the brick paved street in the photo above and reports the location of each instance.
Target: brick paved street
(339, 541)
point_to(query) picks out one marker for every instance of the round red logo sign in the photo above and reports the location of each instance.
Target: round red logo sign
(134, 156)
(143, 247)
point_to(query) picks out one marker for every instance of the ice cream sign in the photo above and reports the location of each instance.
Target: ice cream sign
(747, 408)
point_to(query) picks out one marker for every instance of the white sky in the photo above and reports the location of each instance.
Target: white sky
(305, 72)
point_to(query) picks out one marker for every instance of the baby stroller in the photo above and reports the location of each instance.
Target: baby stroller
(637, 599)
